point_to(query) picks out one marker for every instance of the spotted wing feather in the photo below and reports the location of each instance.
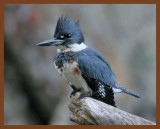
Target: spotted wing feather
(101, 91)
(96, 71)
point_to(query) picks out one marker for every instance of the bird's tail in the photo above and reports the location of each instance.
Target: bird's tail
(130, 92)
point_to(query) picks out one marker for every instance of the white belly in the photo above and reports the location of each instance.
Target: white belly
(71, 73)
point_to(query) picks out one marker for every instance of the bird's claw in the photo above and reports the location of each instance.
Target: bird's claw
(84, 95)
(74, 92)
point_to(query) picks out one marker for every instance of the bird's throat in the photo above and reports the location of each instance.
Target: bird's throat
(73, 47)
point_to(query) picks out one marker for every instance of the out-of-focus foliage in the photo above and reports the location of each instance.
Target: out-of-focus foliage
(34, 93)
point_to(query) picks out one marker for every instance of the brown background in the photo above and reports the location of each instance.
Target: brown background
(93, 33)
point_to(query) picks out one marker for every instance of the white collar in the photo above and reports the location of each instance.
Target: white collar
(73, 47)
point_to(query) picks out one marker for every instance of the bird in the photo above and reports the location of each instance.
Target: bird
(85, 69)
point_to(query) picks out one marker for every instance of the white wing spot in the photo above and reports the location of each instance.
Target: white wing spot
(101, 90)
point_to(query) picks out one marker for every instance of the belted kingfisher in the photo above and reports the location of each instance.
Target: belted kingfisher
(85, 69)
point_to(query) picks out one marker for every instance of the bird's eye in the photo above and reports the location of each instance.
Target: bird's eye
(67, 35)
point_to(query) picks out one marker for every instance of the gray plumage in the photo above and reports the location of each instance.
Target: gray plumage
(86, 70)
(94, 65)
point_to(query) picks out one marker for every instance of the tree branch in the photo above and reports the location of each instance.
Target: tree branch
(89, 111)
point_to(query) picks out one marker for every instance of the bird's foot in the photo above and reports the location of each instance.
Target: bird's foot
(84, 95)
(74, 92)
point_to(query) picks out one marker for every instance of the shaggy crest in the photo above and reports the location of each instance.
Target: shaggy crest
(65, 26)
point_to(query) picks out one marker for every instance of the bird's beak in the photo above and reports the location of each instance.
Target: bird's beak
(50, 42)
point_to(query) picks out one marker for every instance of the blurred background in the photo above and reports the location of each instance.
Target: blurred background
(34, 92)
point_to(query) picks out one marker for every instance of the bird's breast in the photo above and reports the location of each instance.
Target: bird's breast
(69, 69)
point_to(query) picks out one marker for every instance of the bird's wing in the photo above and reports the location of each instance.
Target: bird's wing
(98, 74)
(94, 65)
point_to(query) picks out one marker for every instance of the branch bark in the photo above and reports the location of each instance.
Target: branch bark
(89, 111)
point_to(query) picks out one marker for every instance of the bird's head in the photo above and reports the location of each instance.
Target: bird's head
(66, 34)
